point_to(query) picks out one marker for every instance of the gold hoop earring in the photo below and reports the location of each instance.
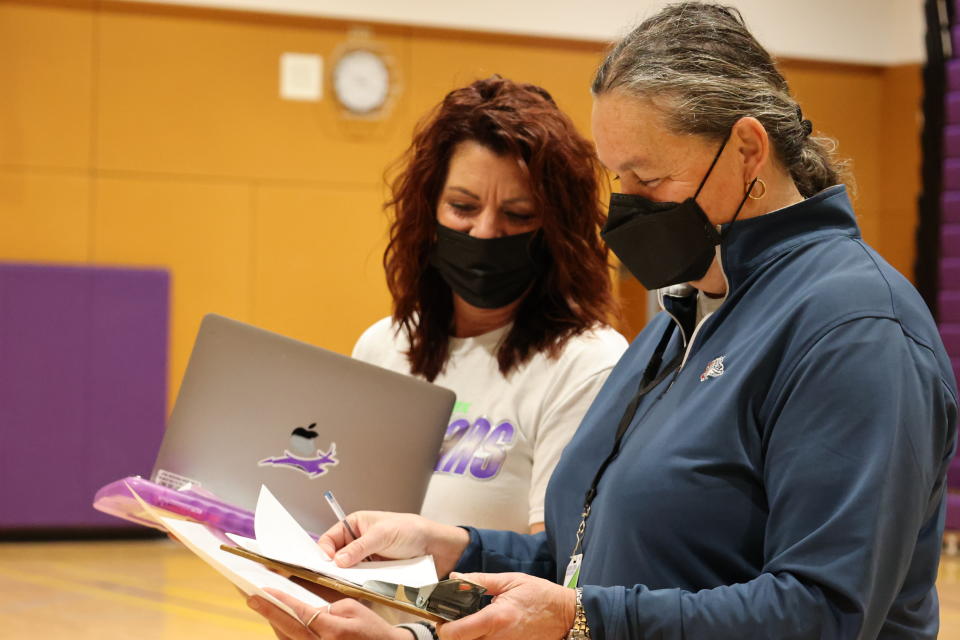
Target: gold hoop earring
(763, 189)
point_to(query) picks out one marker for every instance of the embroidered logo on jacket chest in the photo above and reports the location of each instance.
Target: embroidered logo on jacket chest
(714, 369)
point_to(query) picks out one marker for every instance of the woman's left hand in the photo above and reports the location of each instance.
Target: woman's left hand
(343, 620)
(523, 607)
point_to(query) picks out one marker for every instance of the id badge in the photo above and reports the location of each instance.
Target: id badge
(572, 577)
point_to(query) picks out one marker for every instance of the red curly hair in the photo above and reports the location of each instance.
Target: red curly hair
(573, 294)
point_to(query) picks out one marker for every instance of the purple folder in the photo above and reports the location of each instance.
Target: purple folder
(117, 499)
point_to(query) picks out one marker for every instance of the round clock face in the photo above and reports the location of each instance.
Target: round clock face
(361, 81)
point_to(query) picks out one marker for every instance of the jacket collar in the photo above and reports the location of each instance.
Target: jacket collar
(754, 241)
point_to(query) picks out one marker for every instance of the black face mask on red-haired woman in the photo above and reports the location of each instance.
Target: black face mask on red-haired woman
(489, 273)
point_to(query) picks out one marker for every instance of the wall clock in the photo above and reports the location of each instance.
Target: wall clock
(361, 81)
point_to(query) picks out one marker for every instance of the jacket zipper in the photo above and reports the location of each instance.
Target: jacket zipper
(688, 345)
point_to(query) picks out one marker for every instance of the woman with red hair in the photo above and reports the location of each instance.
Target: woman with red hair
(501, 292)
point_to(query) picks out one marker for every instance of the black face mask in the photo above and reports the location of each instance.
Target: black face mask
(488, 272)
(664, 243)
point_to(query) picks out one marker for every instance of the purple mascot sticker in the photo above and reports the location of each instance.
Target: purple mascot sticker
(311, 461)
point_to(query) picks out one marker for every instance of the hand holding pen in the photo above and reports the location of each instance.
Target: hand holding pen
(338, 512)
(393, 536)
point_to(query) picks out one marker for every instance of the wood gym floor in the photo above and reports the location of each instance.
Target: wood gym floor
(156, 590)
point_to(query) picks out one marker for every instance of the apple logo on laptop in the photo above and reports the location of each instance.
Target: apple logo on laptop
(301, 440)
(302, 454)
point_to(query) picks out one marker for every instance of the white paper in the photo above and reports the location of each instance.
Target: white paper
(251, 577)
(244, 543)
(280, 537)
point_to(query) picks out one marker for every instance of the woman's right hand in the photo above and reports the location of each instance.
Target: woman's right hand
(343, 620)
(394, 536)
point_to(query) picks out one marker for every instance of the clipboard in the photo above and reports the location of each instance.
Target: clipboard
(443, 601)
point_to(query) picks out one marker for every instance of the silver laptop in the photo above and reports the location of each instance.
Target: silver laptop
(258, 408)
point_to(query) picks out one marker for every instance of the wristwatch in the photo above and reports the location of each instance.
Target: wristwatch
(420, 630)
(580, 630)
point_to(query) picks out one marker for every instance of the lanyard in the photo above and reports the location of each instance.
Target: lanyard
(651, 378)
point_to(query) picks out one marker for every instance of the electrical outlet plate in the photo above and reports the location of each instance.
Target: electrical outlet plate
(301, 77)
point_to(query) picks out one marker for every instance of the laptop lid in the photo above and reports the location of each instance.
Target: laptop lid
(258, 408)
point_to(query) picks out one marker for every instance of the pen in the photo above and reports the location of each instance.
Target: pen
(338, 512)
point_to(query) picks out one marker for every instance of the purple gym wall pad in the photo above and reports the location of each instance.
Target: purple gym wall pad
(83, 370)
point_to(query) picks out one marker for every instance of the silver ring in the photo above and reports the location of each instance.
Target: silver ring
(315, 614)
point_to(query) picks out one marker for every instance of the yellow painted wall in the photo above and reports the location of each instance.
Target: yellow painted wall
(144, 135)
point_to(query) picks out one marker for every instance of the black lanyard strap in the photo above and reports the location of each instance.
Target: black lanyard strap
(652, 376)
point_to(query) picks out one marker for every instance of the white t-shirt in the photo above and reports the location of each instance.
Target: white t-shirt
(506, 434)
(706, 305)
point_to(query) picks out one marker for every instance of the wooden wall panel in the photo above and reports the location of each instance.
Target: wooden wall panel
(187, 94)
(44, 217)
(317, 274)
(441, 62)
(200, 231)
(47, 85)
(846, 102)
(901, 181)
(874, 113)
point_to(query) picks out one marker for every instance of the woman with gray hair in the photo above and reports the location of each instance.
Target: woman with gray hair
(768, 458)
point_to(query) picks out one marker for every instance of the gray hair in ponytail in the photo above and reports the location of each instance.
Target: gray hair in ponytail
(701, 66)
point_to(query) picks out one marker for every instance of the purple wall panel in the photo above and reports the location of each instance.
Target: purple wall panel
(953, 473)
(950, 273)
(953, 511)
(953, 107)
(949, 294)
(951, 338)
(43, 349)
(128, 372)
(950, 200)
(955, 32)
(951, 177)
(951, 141)
(82, 387)
(950, 241)
(953, 75)
(949, 307)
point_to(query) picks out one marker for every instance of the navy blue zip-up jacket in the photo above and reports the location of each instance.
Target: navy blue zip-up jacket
(798, 490)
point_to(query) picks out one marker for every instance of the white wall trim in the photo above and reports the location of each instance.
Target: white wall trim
(879, 32)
